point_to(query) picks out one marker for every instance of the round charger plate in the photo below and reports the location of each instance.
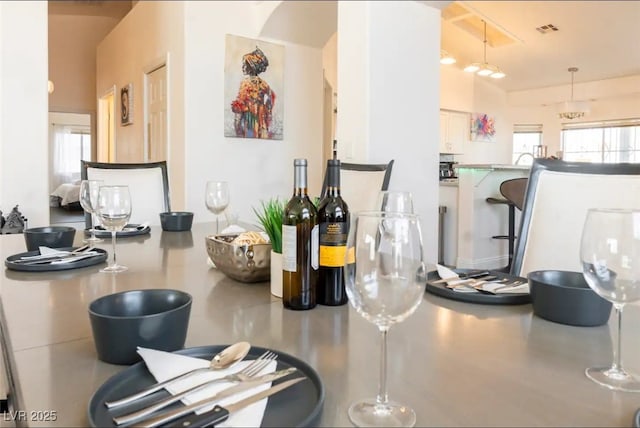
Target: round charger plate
(636, 419)
(482, 298)
(48, 267)
(128, 230)
(298, 405)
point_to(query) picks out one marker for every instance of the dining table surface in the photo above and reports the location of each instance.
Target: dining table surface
(454, 363)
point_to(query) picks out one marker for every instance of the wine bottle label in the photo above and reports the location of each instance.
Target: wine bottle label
(333, 244)
(289, 248)
(314, 247)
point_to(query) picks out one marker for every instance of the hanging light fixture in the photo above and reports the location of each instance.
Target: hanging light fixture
(484, 68)
(573, 109)
(446, 57)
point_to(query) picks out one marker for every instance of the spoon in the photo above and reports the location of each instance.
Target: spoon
(222, 360)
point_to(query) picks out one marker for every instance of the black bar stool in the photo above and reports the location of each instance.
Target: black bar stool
(513, 191)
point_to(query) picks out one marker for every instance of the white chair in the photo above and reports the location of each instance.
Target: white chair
(556, 201)
(361, 183)
(148, 185)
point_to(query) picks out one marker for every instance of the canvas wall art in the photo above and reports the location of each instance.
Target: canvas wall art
(253, 89)
(483, 128)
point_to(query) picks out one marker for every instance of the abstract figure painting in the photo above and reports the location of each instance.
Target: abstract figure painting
(254, 89)
(482, 128)
(126, 105)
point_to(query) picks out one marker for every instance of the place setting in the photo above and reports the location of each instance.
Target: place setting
(478, 286)
(240, 384)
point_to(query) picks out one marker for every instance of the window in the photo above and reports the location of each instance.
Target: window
(525, 138)
(71, 144)
(602, 142)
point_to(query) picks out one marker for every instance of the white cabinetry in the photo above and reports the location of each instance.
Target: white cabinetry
(454, 131)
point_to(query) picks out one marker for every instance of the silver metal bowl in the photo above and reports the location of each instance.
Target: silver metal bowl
(244, 263)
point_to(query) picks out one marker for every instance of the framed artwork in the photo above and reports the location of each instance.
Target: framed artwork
(253, 89)
(483, 128)
(126, 105)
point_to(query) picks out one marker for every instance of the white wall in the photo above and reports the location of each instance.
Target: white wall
(256, 169)
(23, 107)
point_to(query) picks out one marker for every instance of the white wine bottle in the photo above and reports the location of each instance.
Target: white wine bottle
(333, 219)
(299, 245)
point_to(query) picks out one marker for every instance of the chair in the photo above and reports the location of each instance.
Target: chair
(361, 183)
(513, 192)
(556, 201)
(148, 184)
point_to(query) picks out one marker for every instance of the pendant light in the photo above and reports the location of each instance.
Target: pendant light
(573, 109)
(484, 68)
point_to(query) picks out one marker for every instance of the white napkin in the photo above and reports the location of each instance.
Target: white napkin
(165, 365)
(522, 288)
(231, 229)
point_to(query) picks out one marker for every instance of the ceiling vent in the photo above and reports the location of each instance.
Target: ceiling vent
(549, 28)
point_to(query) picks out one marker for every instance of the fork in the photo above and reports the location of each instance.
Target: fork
(243, 375)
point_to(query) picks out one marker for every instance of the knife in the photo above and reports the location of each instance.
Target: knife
(242, 386)
(220, 414)
(70, 258)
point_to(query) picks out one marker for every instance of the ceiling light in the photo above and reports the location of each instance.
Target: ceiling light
(484, 68)
(446, 57)
(573, 109)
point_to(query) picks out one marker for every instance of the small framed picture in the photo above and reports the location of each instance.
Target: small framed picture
(126, 105)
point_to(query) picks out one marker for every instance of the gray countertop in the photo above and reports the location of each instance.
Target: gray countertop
(456, 364)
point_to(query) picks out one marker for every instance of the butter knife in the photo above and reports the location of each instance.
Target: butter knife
(220, 414)
(58, 260)
(243, 386)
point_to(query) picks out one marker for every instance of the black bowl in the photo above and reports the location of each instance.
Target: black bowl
(155, 319)
(49, 236)
(565, 297)
(176, 221)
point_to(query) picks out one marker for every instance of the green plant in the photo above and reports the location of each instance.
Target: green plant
(270, 217)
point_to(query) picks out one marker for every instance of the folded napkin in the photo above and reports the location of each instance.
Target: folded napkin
(231, 229)
(165, 365)
(519, 289)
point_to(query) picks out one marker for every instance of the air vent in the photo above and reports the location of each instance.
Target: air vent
(547, 28)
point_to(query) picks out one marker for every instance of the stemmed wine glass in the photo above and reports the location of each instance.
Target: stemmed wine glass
(217, 198)
(88, 200)
(395, 201)
(385, 277)
(610, 256)
(114, 209)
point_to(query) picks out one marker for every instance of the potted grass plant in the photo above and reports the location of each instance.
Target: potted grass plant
(270, 216)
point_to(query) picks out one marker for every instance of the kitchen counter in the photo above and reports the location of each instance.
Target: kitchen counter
(490, 166)
(457, 364)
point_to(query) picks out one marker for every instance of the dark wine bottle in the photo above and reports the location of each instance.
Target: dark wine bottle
(299, 245)
(333, 219)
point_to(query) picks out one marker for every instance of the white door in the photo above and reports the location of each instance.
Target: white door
(106, 145)
(156, 147)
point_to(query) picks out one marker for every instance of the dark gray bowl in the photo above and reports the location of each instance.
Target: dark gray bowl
(156, 319)
(565, 297)
(49, 236)
(176, 221)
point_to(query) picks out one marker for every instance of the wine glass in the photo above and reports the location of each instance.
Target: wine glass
(395, 201)
(114, 209)
(385, 278)
(88, 200)
(610, 256)
(217, 198)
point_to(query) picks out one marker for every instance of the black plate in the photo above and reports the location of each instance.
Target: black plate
(487, 299)
(298, 405)
(102, 233)
(89, 261)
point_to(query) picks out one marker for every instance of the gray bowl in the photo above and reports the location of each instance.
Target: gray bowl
(49, 236)
(565, 297)
(155, 318)
(176, 221)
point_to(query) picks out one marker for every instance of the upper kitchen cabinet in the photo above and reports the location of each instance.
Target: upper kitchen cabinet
(454, 131)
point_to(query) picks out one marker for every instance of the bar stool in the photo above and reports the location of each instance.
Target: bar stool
(513, 191)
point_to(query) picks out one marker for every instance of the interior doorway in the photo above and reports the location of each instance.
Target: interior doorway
(106, 132)
(328, 123)
(156, 115)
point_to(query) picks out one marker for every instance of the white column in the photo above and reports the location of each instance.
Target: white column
(24, 166)
(389, 97)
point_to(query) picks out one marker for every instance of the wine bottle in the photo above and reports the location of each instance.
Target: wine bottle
(299, 245)
(333, 219)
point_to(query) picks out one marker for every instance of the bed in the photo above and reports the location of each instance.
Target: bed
(67, 196)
